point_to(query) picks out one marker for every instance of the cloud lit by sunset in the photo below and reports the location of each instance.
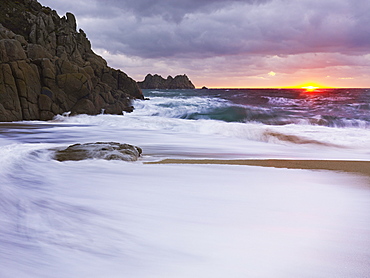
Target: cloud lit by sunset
(232, 43)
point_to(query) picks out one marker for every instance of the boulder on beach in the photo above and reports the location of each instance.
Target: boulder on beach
(47, 67)
(99, 150)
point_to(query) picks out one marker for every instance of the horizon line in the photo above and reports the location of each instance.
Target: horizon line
(292, 87)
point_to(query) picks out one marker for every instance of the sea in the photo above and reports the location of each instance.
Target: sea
(114, 219)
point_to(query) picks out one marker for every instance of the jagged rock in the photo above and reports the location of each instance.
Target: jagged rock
(85, 106)
(11, 50)
(74, 84)
(45, 102)
(99, 150)
(71, 21)
(158, 82)
(36, 51)
(10, 107)
(43, 54)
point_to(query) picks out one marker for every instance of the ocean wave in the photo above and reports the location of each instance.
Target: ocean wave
(359, 106)
(293, 133)
(177, 107)
(269, 136)
(286, 101)
(196, 108)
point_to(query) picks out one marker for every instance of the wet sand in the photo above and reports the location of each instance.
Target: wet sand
(359, 167)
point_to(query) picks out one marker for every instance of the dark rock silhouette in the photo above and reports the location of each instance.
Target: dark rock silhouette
(158, 82)
(47, 67)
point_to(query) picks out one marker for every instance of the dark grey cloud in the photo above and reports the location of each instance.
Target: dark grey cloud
(175, 10)
(205, 28)
(170, 10)
(226, 34)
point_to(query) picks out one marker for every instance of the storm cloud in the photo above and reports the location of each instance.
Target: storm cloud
(176, 31)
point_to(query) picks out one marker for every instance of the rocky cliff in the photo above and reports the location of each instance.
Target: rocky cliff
(47, 67)
(158, 82)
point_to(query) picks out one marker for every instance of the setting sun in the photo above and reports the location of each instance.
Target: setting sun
(310, 88)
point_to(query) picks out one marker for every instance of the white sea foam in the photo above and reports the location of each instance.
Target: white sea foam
(177, 107)
(115, 219)
(318, 141)
(286, 101)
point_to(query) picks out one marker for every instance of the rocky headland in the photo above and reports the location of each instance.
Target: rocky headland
(158, 82)
(47, 67)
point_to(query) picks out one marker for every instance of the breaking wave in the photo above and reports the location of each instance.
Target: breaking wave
(276, 111)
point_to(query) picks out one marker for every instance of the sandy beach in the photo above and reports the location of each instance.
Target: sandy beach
(360, 167)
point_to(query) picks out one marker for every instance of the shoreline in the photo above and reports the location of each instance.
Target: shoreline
(348, 166)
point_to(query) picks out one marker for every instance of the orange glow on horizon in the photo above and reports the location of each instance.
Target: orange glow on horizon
(310, 86)
(304, 86)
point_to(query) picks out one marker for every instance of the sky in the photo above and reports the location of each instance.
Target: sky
(231, 43)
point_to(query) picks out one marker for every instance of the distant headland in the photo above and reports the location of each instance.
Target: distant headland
(47, 67)
(158, 82)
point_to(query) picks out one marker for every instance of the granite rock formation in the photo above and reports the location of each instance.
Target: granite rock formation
(99, 150)
(158, 82)
(47, 67)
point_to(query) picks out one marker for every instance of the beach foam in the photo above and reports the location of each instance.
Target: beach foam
(115, 219)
